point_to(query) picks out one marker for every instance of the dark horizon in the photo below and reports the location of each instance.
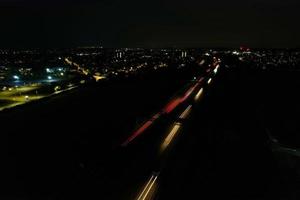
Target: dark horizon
(149, 24)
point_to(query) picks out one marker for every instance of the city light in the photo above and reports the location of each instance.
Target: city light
(16, 77)
(49, 77)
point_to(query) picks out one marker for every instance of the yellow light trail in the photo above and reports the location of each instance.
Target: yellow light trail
(186, 112)
(146, 191)
(198, 95)
(170, 136)
(209, 81)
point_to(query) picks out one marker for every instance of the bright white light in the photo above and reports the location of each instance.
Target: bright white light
(48, 70)
(199, 94)
(16, 77)
(209, 81)
(49, 77)
(235, 53)
(61, 74)
(216, 69)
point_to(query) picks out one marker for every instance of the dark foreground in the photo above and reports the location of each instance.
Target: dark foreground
(69, 147)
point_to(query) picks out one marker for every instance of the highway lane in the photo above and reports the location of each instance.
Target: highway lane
(178, 99)
(63, 151)
(223, 151)
(216, 148)
(175, 102)
(160, 143)
(139, 159)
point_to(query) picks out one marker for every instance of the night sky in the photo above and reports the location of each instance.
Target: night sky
(149, 23)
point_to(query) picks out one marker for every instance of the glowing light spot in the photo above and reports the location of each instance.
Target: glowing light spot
(209, 81)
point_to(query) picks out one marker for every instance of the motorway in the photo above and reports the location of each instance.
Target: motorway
(216, 148)
(73, 136)
(207, 141)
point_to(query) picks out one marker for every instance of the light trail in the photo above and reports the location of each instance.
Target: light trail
(147, 189)
(170, 136)
(216, 69)
(186, 112)
(140, 130)
(198, 95)
(188, 93)
(137, 132)
(209, 81)
(176, 102)
(172, 105)
(200, 80)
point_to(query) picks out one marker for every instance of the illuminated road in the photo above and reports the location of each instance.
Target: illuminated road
(190, 97)
(138, 143)
(221, 150)
(214, 143)
(18, 96)
(24, 94)
(103, 166)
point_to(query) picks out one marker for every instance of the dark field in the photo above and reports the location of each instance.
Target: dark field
(68, 146)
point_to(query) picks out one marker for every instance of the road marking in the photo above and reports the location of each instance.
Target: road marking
(186, 112)
(144, 194)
